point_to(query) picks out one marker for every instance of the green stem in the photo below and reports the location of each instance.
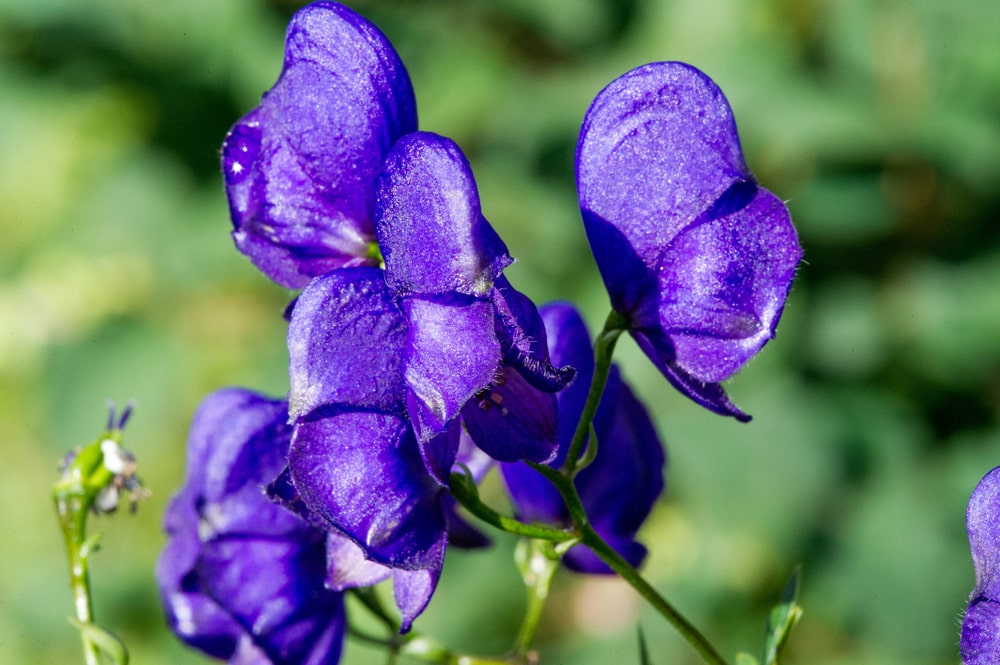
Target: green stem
(463, 488)
(604, 348)
(687, 630)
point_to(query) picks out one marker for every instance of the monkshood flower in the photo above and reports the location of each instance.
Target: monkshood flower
(694, 253)
(242, 578)
(620, 486)
(383, 363)
(981, 627)
(300, 168)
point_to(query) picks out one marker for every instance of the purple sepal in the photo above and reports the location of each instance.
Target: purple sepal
(345, 344)
(430, 228)
(362, 473)
(223, 530)
(621, 485)
(696, 255)
(980, 643)
(300, 169)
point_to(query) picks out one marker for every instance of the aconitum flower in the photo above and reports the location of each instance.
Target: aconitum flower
(694, 253)
(621, 485)
(242, 578)
(981, 626)
(384, 362)
(300, 169)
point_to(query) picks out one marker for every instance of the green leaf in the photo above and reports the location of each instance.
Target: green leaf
(110, 647)
(643, 650)
(744, 658)
(783, 618)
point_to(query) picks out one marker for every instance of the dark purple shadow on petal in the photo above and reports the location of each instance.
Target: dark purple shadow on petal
(712, 396)
(723, 285)
(285, 610)
(523, 341)
(451, 353)
(362, 472)
(439, 453)
(581, 559)
(512, 420)
(658, 146)
(301, 168)
(430, 228)
(345, 344)
(470, 459)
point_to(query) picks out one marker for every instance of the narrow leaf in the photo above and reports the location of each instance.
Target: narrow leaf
(783, 618)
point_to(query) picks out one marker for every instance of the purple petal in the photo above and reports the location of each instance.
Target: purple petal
(287, 612)
(523, 339)
(347, 567)
(658, 147)
(712, 396)
(582, 560)
(511, 420)
(623, 482)
(723, 285)
(301, 168)
(195, 618)
(980, 643)
(362, 472)
(413, 590)
(345, 344)
(452, 352)
(983, 524)
(430, 228)
(439, 452)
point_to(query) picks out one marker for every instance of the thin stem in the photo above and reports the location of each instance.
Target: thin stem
(604, 348)
(463, 488)
(680, 623)
(538, 562)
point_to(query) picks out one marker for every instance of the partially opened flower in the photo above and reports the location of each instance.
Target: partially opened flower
(300, 169)
(620, 486)
(981, 625)
(241, 577)
(696, 255)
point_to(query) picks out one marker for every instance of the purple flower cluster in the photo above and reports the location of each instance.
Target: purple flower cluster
(412, 356)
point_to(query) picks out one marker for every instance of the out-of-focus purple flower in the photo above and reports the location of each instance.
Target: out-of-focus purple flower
(694, 253)
(620, 486)
(300, 169)
(382, 364)
(242, 578)
(981, 627)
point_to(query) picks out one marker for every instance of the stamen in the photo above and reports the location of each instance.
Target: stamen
(485, 405)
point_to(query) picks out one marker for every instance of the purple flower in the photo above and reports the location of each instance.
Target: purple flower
(981, 626)
(382, 364)
(619, 488)
(242, 578)
(694, 253)
(300, 168)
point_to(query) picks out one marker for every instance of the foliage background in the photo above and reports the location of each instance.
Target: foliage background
(875, 408)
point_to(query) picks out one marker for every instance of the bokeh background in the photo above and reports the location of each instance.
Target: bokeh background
(875, 409)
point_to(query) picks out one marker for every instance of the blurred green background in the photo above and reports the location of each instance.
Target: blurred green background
(875, 408)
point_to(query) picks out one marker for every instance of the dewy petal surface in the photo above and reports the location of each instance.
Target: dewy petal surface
(723, 285)
(451, 352)
(697, 257)
(346, 340)
(658, 146)
(300, 169)
(430, 227)
(362, 472)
